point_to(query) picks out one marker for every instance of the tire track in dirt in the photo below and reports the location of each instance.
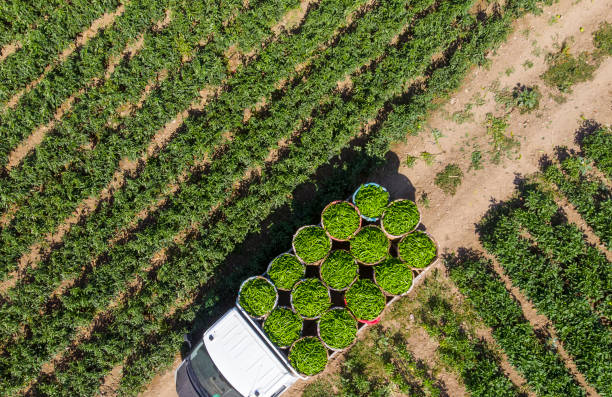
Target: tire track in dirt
(102, 22)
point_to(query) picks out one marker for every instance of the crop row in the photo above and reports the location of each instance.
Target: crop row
(91, 239)
(129, 257)
(459, 348)
(411, 376)
(540, 365)
(101, 225)
(41, 45)
(585, 269)
(86, 172)
(271, 192)
(38, 106)
(542, 280)
(191, 265)
(598, 147)
(591, 197)
(16, 17)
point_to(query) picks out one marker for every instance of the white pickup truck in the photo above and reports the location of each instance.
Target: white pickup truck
(234, 359)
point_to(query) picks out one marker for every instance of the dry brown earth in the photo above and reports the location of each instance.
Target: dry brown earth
(452, 219)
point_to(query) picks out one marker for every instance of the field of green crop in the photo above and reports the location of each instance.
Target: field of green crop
(137, 159)
(542, 255)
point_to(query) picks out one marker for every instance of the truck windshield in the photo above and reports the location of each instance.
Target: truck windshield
(208, 375)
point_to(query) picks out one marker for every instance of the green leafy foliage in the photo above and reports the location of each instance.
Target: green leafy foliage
(371, 200)
(339, 270)
(585, 267)
(337, 328)
(449, 179)
(393, 276)
(591, 197)
(86, 172)
(602, 38)
(470, 356)
(598, 147)
(257, 297)
(341, 220)
(565, 70)
(400, 217)
(311, 244)
(310, 298)
(308, 356)
(501, 143)
(365, 300)
(527, 99)
(417, 250)
(286, 270)
(370, 245)
(191, 266)
(540, 364)
(39, 46)
(283, 326)
(543, 280)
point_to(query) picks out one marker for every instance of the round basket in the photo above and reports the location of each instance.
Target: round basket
(275, 301)
(356, 230)
(293, 307)
(357, 191)
(369, 322)
(319, 330)
(383, 258)
(316, 263)
(345, 288)
(391, 236)
(267, 274)
(432, 261)
(326, 353)
(392, 295)
(301, 330)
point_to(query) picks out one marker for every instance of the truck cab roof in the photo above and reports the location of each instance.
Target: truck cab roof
(246, 358)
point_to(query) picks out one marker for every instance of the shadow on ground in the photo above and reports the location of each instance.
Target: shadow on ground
(336, 180)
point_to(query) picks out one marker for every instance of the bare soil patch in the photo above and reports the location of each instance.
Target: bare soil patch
(9, 50)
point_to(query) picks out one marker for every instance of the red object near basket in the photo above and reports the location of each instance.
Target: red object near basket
(369, 322)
